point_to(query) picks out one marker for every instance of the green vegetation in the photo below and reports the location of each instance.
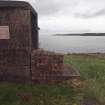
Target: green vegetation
(16, 94)
(92, 70)
(91, 86)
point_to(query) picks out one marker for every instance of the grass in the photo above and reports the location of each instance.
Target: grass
(92, 70)
(89, 67)
(15, 94)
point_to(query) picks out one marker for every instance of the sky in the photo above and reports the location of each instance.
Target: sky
(70, 16)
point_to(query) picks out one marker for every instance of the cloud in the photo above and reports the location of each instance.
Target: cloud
(90, 9)
(70, 15)
(50, 7)
(91, 15)
(78, 8)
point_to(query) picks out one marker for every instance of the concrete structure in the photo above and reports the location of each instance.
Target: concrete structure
(19, 59)
(18, 36)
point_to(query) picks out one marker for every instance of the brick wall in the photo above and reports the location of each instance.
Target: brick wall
(46, 66)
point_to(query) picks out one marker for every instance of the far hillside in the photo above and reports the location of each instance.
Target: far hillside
(82, 34)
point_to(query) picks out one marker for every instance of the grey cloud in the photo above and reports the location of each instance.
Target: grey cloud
(69, 7)
(50, 7)
(91, 8)
(62, 12)
(90, 15)
(101, 12)
(47, 7)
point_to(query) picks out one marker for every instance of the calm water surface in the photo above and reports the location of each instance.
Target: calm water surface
(72, 44)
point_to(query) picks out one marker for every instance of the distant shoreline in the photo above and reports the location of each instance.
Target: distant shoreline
(84, 34)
